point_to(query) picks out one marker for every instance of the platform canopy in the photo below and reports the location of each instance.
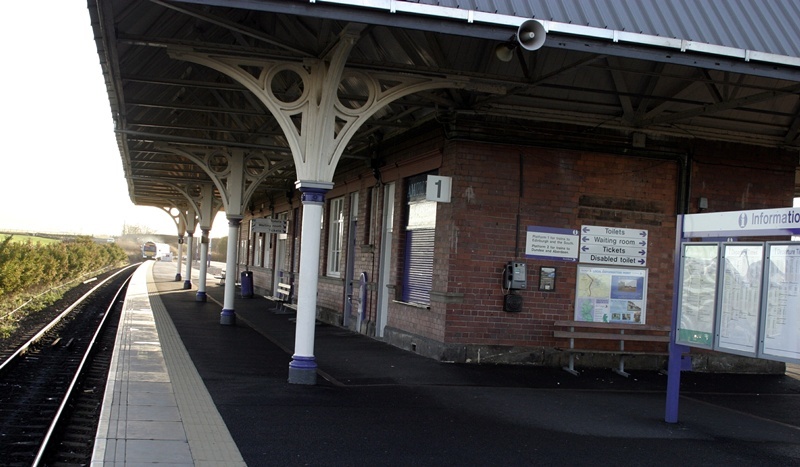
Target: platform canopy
(726, 71)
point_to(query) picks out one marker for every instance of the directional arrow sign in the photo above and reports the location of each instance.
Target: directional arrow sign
(615, 250)
(268, 225)
(613, 245)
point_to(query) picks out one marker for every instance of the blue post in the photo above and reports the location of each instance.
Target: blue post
(675, 350)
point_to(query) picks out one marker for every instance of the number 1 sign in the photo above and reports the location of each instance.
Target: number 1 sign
(438, 189)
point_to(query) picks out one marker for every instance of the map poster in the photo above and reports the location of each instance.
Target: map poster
(780, 322)
(739, 298)
(698, 294)
(611, 294)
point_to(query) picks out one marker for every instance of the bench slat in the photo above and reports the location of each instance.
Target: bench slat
(596, 325)
(611, 352)
(284, 289)
(609, 336)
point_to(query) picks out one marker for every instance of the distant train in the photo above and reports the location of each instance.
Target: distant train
(156, 251)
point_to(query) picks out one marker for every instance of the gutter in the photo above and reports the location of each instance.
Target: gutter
(494, 19)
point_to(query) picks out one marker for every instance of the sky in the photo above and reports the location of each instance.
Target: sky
(61, 169)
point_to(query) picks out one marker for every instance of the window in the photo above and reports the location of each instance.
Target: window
(258, 241)
(243, 252)
(266, 252)
(420, 234)
(335, 236)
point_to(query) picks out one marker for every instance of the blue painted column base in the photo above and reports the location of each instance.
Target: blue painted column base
(201, 297)
(178, 277)
(227, 317)
(303, 370)
(187, 284)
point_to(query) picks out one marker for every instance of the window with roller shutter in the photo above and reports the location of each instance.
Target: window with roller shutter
(420, 234)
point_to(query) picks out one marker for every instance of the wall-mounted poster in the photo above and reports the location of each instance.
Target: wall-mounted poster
(780, 320)
(697, 294)
(611, 294)
(739, 298)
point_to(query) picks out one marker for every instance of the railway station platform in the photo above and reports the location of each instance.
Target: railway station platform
(185, 390)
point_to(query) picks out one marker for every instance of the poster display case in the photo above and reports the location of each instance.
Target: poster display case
(739, 298)
(780, 317)
(609, 294)
(697, 294)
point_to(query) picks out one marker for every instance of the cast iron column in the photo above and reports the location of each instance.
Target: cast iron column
(180, 253)
(187, 283)
(228, 315)
(303, 367)
(201, 284)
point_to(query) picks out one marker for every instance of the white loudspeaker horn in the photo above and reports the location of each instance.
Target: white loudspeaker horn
(531, 35)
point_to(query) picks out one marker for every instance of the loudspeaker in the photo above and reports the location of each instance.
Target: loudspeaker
(512, 303)
(531, 35)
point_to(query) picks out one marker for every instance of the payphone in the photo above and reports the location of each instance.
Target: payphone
(515, 276)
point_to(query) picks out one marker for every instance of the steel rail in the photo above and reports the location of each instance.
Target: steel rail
(24, 347)
(51, 289)
(68, 394)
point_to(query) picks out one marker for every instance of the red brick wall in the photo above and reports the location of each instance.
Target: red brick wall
(735, 178)
(500, 190)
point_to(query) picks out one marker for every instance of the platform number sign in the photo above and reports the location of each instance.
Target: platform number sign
(438, 189)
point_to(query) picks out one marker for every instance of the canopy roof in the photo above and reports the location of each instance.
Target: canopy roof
(726, 71)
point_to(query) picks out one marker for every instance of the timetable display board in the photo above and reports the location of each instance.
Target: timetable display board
(609, 294)
(739, 298)
(697, 294)
(780, 320)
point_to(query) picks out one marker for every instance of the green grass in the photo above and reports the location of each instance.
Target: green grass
(28, 238)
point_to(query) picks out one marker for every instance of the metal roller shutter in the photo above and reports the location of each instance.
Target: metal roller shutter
(418, 274)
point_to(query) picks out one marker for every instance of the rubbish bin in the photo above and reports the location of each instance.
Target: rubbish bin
(247, 284)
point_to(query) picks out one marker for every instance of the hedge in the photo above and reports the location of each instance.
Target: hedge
(27, 266)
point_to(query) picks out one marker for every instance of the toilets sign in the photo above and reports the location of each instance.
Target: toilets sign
(613, 245)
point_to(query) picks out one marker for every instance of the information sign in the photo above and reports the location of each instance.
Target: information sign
(268, 225)
(551, 243)
(697, 294)
(780, 321)
(613, 246)
(759, 222)
(611, 294)
(739, 298)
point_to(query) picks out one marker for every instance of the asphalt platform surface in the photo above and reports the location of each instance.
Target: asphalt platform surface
(376, 405)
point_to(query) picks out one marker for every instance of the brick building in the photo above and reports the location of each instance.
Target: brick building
(501, 185)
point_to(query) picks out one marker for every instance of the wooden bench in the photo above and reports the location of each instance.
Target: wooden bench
(590, 331)
(283, 295)
(221, 277)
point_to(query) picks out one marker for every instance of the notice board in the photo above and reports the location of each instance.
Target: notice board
(780, 321)
(609, 294)
(739, 298)
(697, 294)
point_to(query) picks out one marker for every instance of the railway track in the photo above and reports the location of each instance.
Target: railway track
(51, 385)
